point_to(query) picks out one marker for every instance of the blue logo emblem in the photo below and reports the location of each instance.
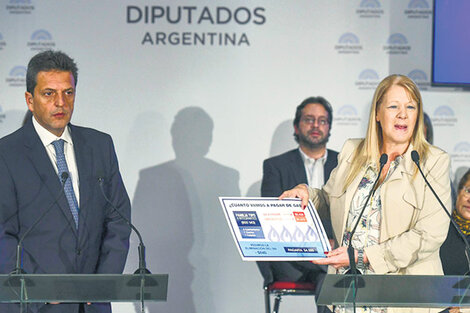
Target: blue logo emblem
(397, 39)
(348, 38)
(368, 74)
(462, 147)
(370, 4)
(444, 110)
(347, 110)
(41, 35)
(418, 75)
(418, 4)
(18, 71)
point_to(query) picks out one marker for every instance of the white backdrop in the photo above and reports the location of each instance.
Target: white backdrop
(193, 113)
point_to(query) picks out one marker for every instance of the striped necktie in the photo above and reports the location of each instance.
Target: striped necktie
(68, 187)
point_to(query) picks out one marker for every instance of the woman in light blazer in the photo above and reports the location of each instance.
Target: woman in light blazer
(403, 226)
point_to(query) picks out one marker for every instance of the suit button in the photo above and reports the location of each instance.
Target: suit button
(79, 251)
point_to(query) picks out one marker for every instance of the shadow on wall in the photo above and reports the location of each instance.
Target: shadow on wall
(176, 206)
(282, 141)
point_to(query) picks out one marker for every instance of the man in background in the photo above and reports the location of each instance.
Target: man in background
(311, 163)
(52, 174)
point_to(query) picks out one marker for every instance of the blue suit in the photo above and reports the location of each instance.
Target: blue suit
(28, 187)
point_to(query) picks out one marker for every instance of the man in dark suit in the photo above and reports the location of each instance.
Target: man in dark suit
(310, 164)
(77, 232)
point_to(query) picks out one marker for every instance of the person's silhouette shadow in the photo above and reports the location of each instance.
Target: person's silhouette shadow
(176, 206)
(282, 141)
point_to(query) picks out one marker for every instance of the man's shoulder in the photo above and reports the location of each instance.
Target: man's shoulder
(291, 154)
(90, 134)
(12, 139)
(332, 153)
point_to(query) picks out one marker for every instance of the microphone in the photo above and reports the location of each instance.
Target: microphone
(19, 268)
(142, 264)
(415, 158)
(352, 260)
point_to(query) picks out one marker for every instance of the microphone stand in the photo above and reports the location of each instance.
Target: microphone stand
(352, 258)
(415, 157)
(142, 270)
(19, 247)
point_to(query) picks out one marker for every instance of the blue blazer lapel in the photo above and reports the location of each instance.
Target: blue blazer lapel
(83, 157)
(43, 165)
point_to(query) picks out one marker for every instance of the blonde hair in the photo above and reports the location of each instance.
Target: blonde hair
(368, 151)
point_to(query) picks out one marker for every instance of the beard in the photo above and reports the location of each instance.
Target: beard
(313, 143)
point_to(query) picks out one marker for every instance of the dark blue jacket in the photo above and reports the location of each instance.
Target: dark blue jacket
(28, 187)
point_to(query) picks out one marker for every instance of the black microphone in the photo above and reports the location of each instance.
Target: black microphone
(415, 158)
(352, 260)
(142, 264)
(19, 268)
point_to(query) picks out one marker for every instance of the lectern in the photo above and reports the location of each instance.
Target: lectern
(67, 288)
(396, 291)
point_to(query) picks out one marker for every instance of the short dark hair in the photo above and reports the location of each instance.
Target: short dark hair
(49, 61)
(465, 178)
(301, 106)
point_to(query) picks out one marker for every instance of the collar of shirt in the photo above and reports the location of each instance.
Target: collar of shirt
(309, 160)
(47, 137)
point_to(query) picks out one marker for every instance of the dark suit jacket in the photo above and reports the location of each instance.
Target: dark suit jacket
(29, 186)
(452, 253)
(284, 172)
(287, 170)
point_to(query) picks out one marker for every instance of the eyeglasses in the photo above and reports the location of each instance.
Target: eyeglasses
(311, 120)
(466, 191)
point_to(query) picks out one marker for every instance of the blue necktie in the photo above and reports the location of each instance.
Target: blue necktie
(68, 187)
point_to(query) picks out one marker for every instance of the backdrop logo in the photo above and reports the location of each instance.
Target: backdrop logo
(17, 77)
(418, 9)
(368, 79)
(188, 21)
(397, 44)
(461, 153)
(420, 78)
(444, 116)
(462, 147)
(347, 116)
(348, 43)
(19, 6)
(370, 9)
(2, 42)
(41, 40)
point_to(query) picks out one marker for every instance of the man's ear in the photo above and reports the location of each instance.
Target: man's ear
(29, 100)
(296, 129)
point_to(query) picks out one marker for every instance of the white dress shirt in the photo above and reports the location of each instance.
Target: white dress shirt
(47, 138)
(314, 169)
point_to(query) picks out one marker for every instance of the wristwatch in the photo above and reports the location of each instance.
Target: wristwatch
(360, 259)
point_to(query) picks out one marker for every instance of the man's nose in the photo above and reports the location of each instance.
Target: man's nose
(60, 100)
